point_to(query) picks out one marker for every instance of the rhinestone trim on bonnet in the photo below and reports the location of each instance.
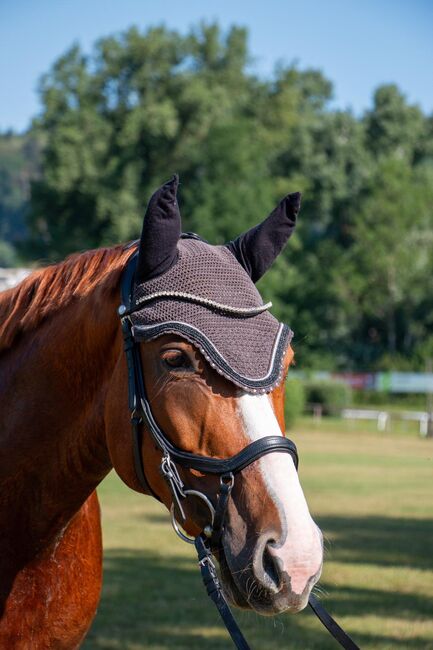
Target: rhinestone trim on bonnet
(239, 311)
(207, 298)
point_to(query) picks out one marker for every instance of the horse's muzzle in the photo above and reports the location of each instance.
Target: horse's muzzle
(261, 579)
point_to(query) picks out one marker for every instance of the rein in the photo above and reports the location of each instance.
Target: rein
(172, 457)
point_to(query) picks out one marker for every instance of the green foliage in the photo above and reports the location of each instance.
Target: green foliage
(389, 401)
(333, 396)
(294, 403)
(393, 127)
(355, 282)
(7, 254)
(120, 122)
(392, 257)
(19, 157)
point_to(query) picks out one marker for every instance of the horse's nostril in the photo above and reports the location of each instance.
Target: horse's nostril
(266, 567)
(271, 568)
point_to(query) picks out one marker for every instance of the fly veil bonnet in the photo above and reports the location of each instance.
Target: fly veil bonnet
(206, 294)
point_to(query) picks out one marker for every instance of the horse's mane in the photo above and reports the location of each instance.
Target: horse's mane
(46, 290)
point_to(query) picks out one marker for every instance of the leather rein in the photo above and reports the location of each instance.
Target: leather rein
(172, 457)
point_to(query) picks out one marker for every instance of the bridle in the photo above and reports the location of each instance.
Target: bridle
(209, 539)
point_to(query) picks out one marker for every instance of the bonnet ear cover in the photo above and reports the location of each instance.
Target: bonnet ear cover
(200, 292)
(257, 248)
(160, 234)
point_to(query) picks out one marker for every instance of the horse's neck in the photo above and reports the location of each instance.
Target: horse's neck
(52, 447)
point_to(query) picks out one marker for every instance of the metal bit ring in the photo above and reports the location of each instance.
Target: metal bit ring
(174, 522)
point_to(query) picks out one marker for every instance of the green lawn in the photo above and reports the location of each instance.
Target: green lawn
(371, 493)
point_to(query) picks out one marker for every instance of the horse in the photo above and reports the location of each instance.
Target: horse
(65, 421)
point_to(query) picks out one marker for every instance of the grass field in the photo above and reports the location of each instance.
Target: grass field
(372, 495)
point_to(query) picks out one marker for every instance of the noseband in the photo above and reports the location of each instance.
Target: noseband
(172, 457)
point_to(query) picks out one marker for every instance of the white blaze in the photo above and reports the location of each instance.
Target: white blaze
(300, 551)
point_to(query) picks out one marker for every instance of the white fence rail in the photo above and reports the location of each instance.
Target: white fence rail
(420, 416)
(383, 418)
(10, 277)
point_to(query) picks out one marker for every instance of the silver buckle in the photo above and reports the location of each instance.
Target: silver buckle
(171, 475)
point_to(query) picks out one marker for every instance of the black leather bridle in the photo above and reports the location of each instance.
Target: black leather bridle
(172, 457)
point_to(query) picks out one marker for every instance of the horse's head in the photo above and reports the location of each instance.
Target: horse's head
(214, 362)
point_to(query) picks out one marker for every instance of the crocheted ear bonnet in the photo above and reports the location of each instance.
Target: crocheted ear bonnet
(206, 294)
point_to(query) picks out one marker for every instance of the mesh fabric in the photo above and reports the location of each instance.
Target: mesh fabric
(247, 350)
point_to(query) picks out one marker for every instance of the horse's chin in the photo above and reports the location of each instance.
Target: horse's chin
(259, 600)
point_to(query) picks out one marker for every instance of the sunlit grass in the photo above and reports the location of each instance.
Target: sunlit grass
(371, 493)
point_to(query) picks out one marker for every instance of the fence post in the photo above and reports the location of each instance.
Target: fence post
(429, 409)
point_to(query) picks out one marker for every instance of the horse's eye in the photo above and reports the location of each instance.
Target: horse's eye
(176, 359)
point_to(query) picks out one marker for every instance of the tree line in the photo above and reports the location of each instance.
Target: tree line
(355, 282)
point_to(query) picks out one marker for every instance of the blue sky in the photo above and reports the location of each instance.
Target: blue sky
(358, 45)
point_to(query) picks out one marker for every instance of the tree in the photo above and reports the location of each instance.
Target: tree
(19, 156)
(119, 123)
(393, 257)
(394, 127)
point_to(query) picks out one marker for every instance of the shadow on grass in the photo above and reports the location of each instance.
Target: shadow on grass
(156, 602)
(384, 541)
(153, 518)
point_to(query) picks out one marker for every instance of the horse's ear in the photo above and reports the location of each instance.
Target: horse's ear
(160, 234)
(257, 248)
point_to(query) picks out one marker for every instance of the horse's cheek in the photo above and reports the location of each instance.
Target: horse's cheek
(119, 436)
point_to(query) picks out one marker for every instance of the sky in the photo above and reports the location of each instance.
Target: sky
(357, 45)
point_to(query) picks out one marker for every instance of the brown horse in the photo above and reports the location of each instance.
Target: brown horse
(65, 424)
